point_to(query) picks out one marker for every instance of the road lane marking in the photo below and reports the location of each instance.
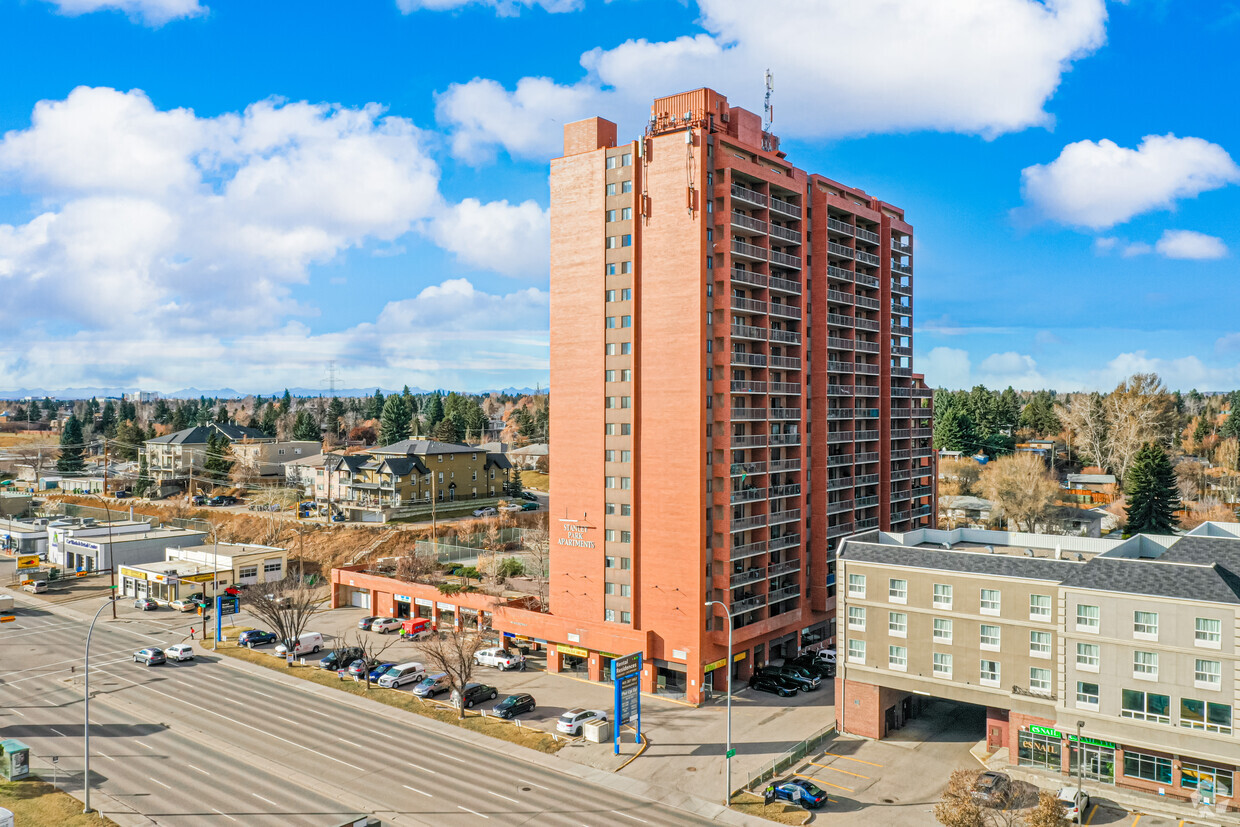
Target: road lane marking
(423, 769)
(837, 769)
(58, 732)
(416, 790)
(17, 712)
(264, 694)
(846, 758)
(471, 812)
(268, 800)
(160, 783)
(634, 818)
(225, 815)
(383, 734)
(1138, 818)
(1092, 812)
(452, 758)
(820, 781)
(109, 757)
(350, 743)
(506, 798)
(532, 784)
(199, 769)
(287, 720)
(144, 744)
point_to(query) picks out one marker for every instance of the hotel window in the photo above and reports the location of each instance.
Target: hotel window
(856, 585)
(609, 615)
(1207, 674)
(942, 596)
(626, 536)
(856, 651)
(1039, 607)
(1145, 625)
(1148, 767)
(1040, 679)
(1087, 656)
(989, 673)
(1087, 694)
(1040, 644)
(1209, 633)
(897, 658)
(1191, 776)
(897, 590)
(626, 321)
(897, 624)
(1145, 706)
(611, 189)
(626, 213)
(856, 618)
(1196, 714)
(990, 637)
(626, 186)
(942, 630)
(990, 601)
(1145, 665)
(625, 617)
(1087, 618)
(942, 665)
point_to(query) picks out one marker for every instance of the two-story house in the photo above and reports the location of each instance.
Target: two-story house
(173, 460)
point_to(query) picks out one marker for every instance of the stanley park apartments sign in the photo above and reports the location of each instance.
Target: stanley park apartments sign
(574, 534)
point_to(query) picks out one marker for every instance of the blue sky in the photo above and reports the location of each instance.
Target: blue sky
(220, 193)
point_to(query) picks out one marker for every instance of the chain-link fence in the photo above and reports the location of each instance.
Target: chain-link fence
(808, 748)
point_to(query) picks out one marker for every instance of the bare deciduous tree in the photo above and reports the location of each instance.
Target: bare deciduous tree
(1022, 487)
(286, 605)
(373, 646)
(1227, 455)
(1085, 418)
(1048, 812)
(452, 652)
(538, 554)
(416, 566)
(36, 457)
(1138, 411)
(957, 808)
(959, 477)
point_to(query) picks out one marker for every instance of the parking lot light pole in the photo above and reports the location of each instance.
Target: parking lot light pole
(86, 704)
(727, 756)
(1080, 768)
(111, 553)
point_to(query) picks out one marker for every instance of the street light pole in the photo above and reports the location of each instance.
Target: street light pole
(111, 554)
(727, 756)
(86, 703)
(1080, 766)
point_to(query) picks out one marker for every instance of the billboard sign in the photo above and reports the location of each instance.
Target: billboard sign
(626, 675)
(27, 561)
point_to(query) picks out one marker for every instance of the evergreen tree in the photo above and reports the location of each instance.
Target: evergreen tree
(394, 420)
(1231, 425)
(432, 412)
(1039, 416)
(127, 410)
(287, 402)
(953, 431)
(218, 462)
(983, 410)
(161, 413)
(1153, 495)
(335, 416)
(143, 483)
(128, 438)
(305, 428)
(475, 420)
(107, 419)
(150, 433)
(72, 451)
(92, 407)
(221, 415)
(374, 407)
(514, 486)
(445, 431)
(1203, 428)
(271, 419)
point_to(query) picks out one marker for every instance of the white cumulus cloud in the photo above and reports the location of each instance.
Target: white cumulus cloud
(503, 8)
(151, 12)
(1190, 245)
(510, 239)
(1098, 185)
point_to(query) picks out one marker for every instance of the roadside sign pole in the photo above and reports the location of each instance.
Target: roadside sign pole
(219, 620)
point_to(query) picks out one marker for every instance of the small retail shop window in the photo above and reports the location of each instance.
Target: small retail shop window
(1037, 750)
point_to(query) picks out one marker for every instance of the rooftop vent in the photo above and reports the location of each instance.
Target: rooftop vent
(1058, 552)
(990, 549)
(947, 546)
(1028, 552)
(1080, 557)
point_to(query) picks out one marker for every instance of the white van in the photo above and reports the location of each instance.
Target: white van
(402, 673)
(307, 643)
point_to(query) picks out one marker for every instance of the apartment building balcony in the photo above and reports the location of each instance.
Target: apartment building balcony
(867, 281)
(752, 575)
(743, 441)
(866, 413)
(905, 248)
(863, 367)
(866, 324)
(747, 550)
(746, 331)
(866, 390)
(839, 297)
(900, 516)
(866, 303)
(901, 289)
(840, 437)
(787, 337)
(901, 329)
(785, 439)
(918, 453)
(786, 311)
(748, 604)
(867, 235)
(837, 320)
(784, 413)
(839, 506)
(755, 360)
(785, 233)
(776, 569)
(905, 372)
(788, 516)
(840, 413)
(777, 491)
(839, 250)
(840, 273)
(836, 343)
(839, 390)
(868, 522)
(783, 594)
(867, 456)
(786, 285)
(786, 362)
(900, 433)
(747, 523)
(898, 350)
(901, 392)
(836, 460)
(785, 260)
(747, 386)
(920, 491)
(839, 367)
(745, 222)
(748, 196)
(862, 346)
(923, 393)
(900, 474)
(835, 531)
(779, 465)
(839, 226)
(748, 468)
(748, 414)
(902, 453)
(900, 495)
(926, 433)
(866, 502)
(744, 305)
(748, 277)
(747, 495)
(746, 250)
(901, 268)
(866, 479)
(863, 436)
(783, 207)
(786, 541)
(922, 510)
(786, 388)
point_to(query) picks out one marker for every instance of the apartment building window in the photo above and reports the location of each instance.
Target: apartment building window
(613, 161)
(1149, 767)
(856, 618)
(610, 349)
(626, 186)
(609, 615)
(609, 269)
(1039, 607)
(611, 189)
(1145, 625)
(710, 262)
(611, 215)
(1145, 666)
(609, 508)
(990, 638)
(610, 323)
(1040, 644)
(626, 590)
(942, 596)
(626, 266)
(626, 536)
(610, 402)
(990, 601)
(856, 651)
(626, 429)
(626, 240)
(1209, 633)
(609, 376)
(1039, 680)
(897, 590)
(626, 160)
(609, 534)
(626, 375)
(609, 295)
(626, 294)
(1087, 695)
(942, 665)
(626, 348)
(626, 563)
(626, 617)
(626, 321)
(475, 476)
(609, 455)
(1087, 618)
(1210, 717)
(942, 630)
(897, 624)
(989, 673)
(609, 482)
(1145, 706)
(609, 588)
(626, 213)
(613, 241)
(1192, 774)
(625, 483)
(626, 510)
(897, 658)
(609, 562)
(626, 456)
(1087, 657)
(856, 585)
(1207, 674)
(626, 402)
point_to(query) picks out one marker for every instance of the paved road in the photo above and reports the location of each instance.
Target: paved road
(205, 743)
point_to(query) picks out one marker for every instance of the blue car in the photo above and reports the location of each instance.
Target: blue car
(379, 670)
(256, 637)
(801, 792)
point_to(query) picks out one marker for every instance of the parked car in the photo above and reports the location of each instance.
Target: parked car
(823, 670)
(432, 685)
(499, 658)
(360, 667)
(340, 658)
(801, 792)
(571, 722)
(525, 495)
(365, 622)
(36, 587)
(476, 693)
(234, 590)
(401, 674)
(183, 605)
(1075, 805)
(198, 499)
(805, 680)
(383, 625)
(222, 499)
(150, 656)
(256, 637)
(529, 506)
(773, 684)
(146, 604)
(415, 628)
(180, 652)
(379, 670)
(514, 705)
(992, 789)
(485, 511)
(120, 495)
(307, 643)
(825, 655)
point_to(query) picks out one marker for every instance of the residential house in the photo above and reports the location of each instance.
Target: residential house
(174, 460)
(268, 460)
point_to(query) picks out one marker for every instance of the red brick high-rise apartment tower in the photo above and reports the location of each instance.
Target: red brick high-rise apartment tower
(731, 343)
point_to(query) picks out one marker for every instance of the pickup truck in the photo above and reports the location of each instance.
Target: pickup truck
(6, 603)
(501, 659)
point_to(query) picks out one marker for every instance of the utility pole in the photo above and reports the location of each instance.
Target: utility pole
(727, 756)
(105, 466)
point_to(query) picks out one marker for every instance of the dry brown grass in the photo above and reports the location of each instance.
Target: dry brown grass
(15, 440)
(37, 802)
(780, 811)
(533, 479)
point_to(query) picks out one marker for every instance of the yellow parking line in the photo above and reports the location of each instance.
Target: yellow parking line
(837, 769)
(846, 758)
(1138, 818)
(820, 781)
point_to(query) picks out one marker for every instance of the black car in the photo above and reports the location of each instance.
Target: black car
(365, 622)
(773, 683)
(993, 789)
(825, 671)
(199, 499)
(222, 499)
(525, 495)
(514, 705)
(477, 693)
(256, 637)
(341, 658)
(804, 680)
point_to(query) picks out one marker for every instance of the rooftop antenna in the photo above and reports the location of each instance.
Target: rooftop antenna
(768, 111)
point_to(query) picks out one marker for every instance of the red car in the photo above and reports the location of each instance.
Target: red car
(235, 591)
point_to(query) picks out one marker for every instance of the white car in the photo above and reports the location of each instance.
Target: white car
(825, 656)
(183, 605)
(499, 658)
(485, 511)
(1074, 808)
(386, 624)
(510, 507)
(182, 651)
(571, 722)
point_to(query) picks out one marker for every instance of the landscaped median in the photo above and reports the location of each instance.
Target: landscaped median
(780, 811)
(531, 737)
(37, 802)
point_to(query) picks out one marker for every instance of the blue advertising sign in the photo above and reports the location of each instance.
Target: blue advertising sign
(626, 675)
